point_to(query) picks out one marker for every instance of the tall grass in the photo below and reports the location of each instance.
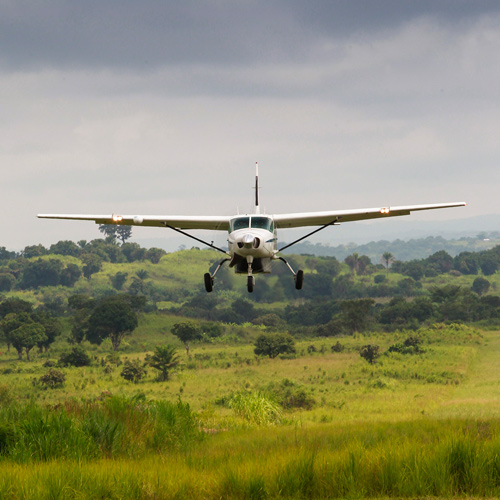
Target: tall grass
(115, 427)
(413, 459)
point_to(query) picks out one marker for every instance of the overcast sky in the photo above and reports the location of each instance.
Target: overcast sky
(159, 107)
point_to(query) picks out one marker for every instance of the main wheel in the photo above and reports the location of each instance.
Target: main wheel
(209, 282)
(250, 283)
(299, 279)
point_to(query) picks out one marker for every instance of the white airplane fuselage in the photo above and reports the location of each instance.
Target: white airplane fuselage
(252, 240)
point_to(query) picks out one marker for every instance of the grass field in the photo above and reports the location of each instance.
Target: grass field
(409, 426)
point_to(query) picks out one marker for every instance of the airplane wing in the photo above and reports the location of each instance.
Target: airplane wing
(177, 221)
(322, 218)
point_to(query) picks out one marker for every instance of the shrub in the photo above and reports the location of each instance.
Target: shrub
(133, 371)
(272, 344)
(53, 378)
(370, 352)
(77, 356)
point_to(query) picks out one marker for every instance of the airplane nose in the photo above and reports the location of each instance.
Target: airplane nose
(248, 240)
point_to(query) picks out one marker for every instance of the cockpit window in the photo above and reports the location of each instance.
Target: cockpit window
(262, 223)
(256, 222)
(239, 223)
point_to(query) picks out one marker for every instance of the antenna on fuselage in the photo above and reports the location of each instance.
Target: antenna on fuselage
(257, 208)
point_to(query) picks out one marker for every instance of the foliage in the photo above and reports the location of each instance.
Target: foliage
(133, 371)
(187, 332)
(273, 344)
(256, 408)
(411, 345)
(370, 352)
(53, 379)
(164, 359)
(113, 317)
(76, 356)
(291, 395)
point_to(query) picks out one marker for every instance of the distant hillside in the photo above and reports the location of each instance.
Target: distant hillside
(402, 250)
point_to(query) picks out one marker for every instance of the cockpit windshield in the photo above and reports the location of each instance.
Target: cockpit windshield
(239, 223)
(257, 222)
(262, 223)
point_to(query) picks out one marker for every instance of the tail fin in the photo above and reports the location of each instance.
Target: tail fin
(257, 208)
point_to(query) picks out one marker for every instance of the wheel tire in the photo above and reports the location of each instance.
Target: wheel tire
(250, 283)
(299, 279)
(209, 282)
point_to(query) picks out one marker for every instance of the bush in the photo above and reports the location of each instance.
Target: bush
(370, 352)
(272, 344)
(53, 378)
(77, 356)
(133, 371)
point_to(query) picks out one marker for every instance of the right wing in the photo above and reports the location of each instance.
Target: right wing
(323, 218)
(218, 223)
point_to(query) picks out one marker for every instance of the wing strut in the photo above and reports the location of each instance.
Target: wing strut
(309, 234)
(195, 238)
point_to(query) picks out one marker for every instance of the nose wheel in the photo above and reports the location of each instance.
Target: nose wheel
(250, 283)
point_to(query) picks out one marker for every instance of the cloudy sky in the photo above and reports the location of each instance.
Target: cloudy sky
(158, 107)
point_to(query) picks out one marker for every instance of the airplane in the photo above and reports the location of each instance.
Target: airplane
(252, 238)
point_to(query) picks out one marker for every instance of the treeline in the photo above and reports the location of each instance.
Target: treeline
(28, 270)
(419, 248)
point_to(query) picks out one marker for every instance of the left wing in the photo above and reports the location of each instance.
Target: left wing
(322, 218)
(177, 221)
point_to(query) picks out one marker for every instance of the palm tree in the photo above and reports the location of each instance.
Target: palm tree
(164, 359)
(387, 259)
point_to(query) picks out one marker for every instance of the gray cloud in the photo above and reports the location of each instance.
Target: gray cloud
(163, 107)
(125, 33)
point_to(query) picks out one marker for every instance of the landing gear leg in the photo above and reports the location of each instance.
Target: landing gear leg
(250, 278)
(298, 276)
(209, 278)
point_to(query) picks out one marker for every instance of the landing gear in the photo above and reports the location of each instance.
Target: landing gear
(209, 282)
(250, 283)
(209, 278)
(297, 276)
(299, 279)
(250, 278)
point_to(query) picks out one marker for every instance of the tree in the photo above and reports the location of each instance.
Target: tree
(370, 352)
(187, 332)
(273, 344)
(387, 259)
(356, 313)
(92, 264)
(41, 273)
(488, 263)
(65, 248)
(70, 275)
(155, 254)
(115, 231)
(113, 318)
(118, 280)
(357, 263)
(25, 337)
(164, 359)
(480, 285)
(14, 305)
(52, 328)
(123, 233)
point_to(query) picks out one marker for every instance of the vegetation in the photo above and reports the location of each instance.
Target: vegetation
(272, 397)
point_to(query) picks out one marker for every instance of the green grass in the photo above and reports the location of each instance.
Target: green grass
(408, 426)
